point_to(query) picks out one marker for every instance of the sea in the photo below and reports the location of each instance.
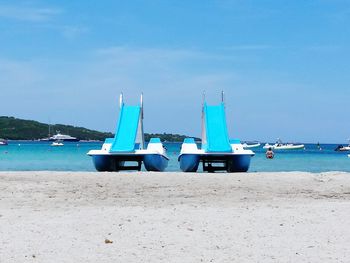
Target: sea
(41, 156)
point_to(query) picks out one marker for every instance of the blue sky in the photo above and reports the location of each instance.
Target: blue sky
(284, 65)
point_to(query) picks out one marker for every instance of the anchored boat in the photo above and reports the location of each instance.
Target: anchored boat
(341, 148)
(57, 143)
(3, 142)
(251, 145)
(128, 145)
(60, 137)
(217, 151)
(283, 146)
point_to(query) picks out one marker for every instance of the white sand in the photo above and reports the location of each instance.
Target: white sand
(174, 217)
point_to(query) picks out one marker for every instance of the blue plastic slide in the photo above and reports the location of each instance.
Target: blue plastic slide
(125, 136)
(216, 129)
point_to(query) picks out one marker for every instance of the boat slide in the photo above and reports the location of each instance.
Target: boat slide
(128, 145)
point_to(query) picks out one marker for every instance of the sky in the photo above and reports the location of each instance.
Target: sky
(283, 65)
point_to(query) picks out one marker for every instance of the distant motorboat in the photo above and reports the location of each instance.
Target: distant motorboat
(251, 145)
(3, 142)
(57, 143)
(284, 146)
(61, 137)
(341, 148)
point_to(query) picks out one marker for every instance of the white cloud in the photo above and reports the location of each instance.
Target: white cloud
(250, 47)
(85, 92)
(72, 32)
(18, 75)
(156, 53)
(28, 13)
(324, 48)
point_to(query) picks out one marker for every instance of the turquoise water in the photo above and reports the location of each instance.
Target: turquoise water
(40, 156)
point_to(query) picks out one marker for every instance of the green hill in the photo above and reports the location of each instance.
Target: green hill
(167, 137)
(17, 129)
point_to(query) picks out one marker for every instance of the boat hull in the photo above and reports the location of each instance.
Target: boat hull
(238, 163)
(285, 147)
(251, 145)
(115, 163)
(232, 163)
(189, 162)
(343, 149)
(297, 147)
(64, 140)
(155, 162)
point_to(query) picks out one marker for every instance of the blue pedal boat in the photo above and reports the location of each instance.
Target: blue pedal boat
(217, 152)
(128, 145)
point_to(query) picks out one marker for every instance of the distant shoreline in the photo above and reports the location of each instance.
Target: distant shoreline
(197, 141)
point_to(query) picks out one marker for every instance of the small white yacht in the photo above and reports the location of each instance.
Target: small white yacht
(60, 137)
(3, 142)
(251, 144)
(63, 137)
(57, 143)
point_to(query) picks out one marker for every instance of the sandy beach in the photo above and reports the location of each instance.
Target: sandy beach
(174, 217)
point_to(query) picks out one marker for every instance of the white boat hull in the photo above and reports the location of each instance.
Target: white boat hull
(285, 147)
(55, 144)
(344, 149)
(251, 145)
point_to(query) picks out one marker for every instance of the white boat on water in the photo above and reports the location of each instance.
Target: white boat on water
(3, 142)
(61, 137)
(284, 146)
(341, 148)
(57, 143)
(251, 145)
